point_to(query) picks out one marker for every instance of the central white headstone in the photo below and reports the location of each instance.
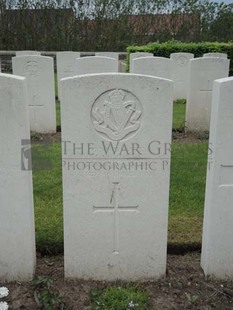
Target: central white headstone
(108, 54)
(202, 73)
(17, 232)
(95, 64)
(41, 92)
(180, 75)
(65, 66)
(217, 246)
(155, 66)
(137, 55)
(116, 171)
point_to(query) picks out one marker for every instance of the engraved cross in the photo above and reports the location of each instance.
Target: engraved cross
(34, 104)
(116, 208)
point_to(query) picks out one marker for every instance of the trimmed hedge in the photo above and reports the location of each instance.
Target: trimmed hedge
(198, 49)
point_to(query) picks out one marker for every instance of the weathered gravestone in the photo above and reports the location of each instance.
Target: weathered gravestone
(40, 81)
(27, 53)
(65, 66)
(137, 55)
(218, 55)
(202, 73)
(217, 246)
(180, 75)
(115, 130)
(155, 66)
(122, 67)
(109, 54)
(95, 64)
(17, 233)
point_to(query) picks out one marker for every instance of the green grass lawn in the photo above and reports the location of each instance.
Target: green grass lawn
(48, 199)
(179, 115)
(187, 191)
(188, 170)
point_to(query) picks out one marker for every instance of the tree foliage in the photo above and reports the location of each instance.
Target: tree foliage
(109, 24)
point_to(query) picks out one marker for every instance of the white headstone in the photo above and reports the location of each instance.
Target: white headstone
(109, 54)
(39, 72)
(181, 74)
(95, 64)
(122, 67)
(155, 66)
(115, 178)
(65, 66)
(202, 73)
(17, 232)
(219, 55)
(137, 55)
(217, 246)
(27, 53)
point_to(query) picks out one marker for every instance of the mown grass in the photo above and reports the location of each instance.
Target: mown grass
(179, 115)
(119, 298)
(47, 185)
(187, 192)
(188, 171)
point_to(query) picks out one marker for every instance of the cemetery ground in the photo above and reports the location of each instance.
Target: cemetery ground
(184, 286)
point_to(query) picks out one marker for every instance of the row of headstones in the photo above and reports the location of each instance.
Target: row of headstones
(115, 181)
(175, 68)
(40, 80)
(193, 80)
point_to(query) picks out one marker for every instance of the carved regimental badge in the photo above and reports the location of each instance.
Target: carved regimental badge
(116, 114)
(182, 60)
(31, 68)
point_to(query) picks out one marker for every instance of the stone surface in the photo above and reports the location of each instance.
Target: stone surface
(17, 232)
(180, 75)
(217, 246)
(202, 73)
(95, 64)
(122, 67)
(109, 54)
(154, 66)
(116, 170)
(137, 55)
(27, 53)
(65, 66)
(40, 81)
(219, 55)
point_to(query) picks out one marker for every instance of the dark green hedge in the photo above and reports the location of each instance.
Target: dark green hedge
(198, 49)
